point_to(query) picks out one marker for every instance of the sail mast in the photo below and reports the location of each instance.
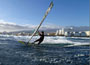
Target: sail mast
(48, 10)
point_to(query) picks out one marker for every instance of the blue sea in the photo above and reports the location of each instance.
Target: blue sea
(54, 50)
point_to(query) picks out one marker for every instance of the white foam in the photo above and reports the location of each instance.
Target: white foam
(52, 40)
(56, 40)
(78, 44)
(80, 37)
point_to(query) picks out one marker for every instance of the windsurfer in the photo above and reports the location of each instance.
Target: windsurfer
(41, 37)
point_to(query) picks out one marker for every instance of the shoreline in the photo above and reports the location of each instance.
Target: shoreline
(46, 35)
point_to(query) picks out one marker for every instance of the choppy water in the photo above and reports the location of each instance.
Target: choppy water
(53, 51)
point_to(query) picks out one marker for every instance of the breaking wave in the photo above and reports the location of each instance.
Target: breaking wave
(58, 40)
(73, 41)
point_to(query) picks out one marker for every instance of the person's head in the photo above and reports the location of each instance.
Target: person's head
(42, 32)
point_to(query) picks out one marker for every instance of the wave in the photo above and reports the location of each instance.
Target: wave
(79, 44)
(55, 40)
(79, 37)
(52, 40)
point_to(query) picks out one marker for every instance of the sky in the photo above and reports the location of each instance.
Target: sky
(31, 12)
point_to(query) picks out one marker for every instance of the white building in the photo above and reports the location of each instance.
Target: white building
(60, 32)
(87, 33)
(68, 34)
(76, 33)
(63, 31)
(57, 32)
(82, 34)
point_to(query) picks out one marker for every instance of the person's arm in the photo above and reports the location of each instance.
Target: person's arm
(39, 33)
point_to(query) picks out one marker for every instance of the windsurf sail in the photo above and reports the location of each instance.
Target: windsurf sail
(48, 10)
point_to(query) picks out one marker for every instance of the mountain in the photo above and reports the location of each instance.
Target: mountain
(48, 30)
(15, 28)
(77, 28)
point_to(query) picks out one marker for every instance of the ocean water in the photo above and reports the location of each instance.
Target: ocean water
(54, 50)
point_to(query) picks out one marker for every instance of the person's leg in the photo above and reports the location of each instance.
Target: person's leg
(39, 42)
(36, 40)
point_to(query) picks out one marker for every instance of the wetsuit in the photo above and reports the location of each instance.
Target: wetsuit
(41, 38)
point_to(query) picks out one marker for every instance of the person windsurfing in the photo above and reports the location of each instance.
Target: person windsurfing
(41, 38)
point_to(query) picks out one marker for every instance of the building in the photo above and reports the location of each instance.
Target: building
(87, 33)
(57, 32)
(69, 34)
(83, 34)
(76, 34)
(60, 32)
(51, 34)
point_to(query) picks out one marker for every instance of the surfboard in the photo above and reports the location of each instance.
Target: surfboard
(25, 43)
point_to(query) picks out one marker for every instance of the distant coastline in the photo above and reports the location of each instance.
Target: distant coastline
(45, 35)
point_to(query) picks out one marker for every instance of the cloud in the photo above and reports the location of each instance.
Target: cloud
(4, 22)
(9, 26)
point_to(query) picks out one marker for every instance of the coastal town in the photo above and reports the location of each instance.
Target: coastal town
(60, 32)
